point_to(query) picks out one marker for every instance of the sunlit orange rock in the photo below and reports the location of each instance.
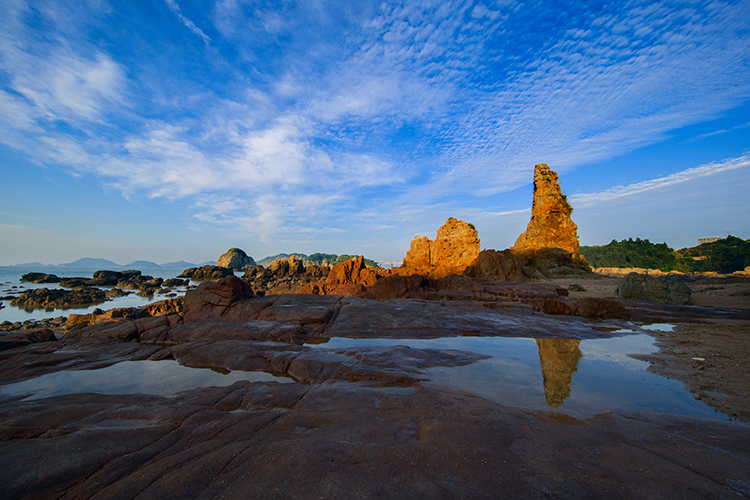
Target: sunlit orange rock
(455, 247)
(550, 225)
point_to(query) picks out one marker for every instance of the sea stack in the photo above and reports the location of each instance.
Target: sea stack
(550, 225)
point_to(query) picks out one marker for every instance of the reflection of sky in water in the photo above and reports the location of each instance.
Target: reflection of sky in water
(606, 379)
(164, 378)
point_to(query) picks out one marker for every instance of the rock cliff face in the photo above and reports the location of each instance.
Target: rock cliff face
(455, 247)
(550, 225)
(236, 259)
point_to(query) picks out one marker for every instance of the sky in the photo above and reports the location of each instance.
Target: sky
(170, 130)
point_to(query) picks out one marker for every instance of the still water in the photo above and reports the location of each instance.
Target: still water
(163, 378)
(575, 377)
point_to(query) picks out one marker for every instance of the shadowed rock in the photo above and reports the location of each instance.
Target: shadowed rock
(655, 289)
(211, 300)
(206, 273)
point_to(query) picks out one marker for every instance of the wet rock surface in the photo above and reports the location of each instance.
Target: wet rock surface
(339, 439)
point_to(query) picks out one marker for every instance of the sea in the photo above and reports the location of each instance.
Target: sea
(11, 286)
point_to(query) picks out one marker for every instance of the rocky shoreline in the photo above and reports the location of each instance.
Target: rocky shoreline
(370, 420)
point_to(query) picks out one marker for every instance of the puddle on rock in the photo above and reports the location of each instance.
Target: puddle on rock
(162, 378)
(576, 377)
(659, 327)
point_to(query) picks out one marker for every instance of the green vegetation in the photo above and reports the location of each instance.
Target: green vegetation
(724, 256)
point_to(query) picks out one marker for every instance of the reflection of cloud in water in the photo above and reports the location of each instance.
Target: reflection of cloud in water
(163, 378)
(616, 350)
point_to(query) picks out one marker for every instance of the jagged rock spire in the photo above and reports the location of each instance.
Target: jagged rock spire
(550, 225)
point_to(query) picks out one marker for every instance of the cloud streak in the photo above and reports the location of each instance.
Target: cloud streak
(690, 174)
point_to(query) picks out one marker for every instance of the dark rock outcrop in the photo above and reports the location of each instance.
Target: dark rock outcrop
(49, 298)
(211, 300)
(40, 278)
(347, 439)
(26, 338)
(501, 266)
(655, 289)
(206, 273)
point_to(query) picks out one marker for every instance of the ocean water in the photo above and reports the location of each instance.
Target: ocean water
(11, 285)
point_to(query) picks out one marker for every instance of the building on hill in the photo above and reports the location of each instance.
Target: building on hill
(702, 241)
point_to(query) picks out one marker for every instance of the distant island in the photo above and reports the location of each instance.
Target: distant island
(92, 263)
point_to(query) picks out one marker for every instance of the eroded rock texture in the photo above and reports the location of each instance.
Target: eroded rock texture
(455, 247)
(550, 225)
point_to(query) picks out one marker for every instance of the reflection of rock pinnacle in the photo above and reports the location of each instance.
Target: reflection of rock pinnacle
(559, 359)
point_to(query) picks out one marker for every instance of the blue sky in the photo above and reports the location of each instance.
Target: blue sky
(175, 129)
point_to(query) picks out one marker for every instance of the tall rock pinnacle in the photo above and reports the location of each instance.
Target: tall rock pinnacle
(550, 225)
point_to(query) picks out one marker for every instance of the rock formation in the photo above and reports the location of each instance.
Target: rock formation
(52, 298)
(236, 259)
(351, 272)
(503, 266)
(550, 225)
(206, 273)
(455, 247)
(655, 289)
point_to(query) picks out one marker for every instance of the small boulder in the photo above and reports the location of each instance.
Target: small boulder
(660, 289)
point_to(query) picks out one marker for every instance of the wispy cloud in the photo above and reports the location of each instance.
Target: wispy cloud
(172, 4)
(587, 200)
